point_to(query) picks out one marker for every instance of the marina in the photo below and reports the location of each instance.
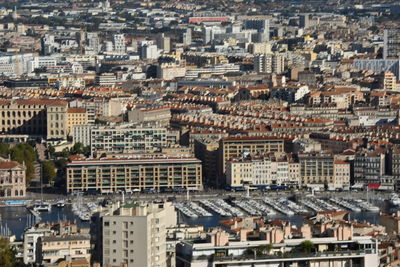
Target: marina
(276, 205)
(206, 212)
(345, 204)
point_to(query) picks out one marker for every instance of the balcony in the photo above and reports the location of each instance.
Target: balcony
(245, 258)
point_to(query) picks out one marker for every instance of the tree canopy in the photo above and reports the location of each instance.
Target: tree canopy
(49, 171)
(7, 255)
(22, 153)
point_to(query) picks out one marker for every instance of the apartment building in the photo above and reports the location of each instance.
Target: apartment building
(206, 150)
(136, 233)
(342, 174)
(160, 116)
(258, 171)
(394, 165)
(321, 168)
(37, 117)
(31, 237)
(269, 63)
(278, 244)
(233, 147)
(121, 139)
(46, 243)
(135, 173)
(388, 81)
(12, 179)
(369, 167)
(53, 248)
(76, 116)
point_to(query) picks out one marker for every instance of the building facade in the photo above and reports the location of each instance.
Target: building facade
(141, 173)
(233, 147)
(12, 179)
(76, 116)
(37, 117)
(136, 234)
(53, 248)
(369, 167)
(391, 43)
(262, 171)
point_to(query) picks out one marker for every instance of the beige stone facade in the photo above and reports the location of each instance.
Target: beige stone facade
(54, 248)
(37, 117)
(76, 116)
(141, 173)
(12, 179)
(136, 235)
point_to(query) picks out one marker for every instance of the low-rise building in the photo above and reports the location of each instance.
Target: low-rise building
(12, 179)
(277, 243)
(53, 248)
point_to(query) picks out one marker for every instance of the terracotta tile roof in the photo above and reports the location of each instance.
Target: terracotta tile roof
(8, 164)
(76, 110)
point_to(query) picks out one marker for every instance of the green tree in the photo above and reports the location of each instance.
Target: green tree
(65, 153)
(4, 149)
(306, 246)
(77, 149)
(51, 151)
(49, 171)
(61, 166)
(7, 255)
(24, 153)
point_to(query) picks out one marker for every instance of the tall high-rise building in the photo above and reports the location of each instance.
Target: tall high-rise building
(164, 43)
(119, 43)
(187, 37)
(149, 51)
(257, 24)
(391, 47)
(269, 63)
(135, 234)
(93, 42)
(305, 21)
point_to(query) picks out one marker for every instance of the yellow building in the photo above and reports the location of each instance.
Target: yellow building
(76, 116)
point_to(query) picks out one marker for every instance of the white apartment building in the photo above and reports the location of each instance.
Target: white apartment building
(217, 69)
(120, 139)
(261, 172)
(41, 62)
(269, 63)
(31, 237)
(136, 234)
(170, 71)
(119, 43)
(13, 64)
(149, 51)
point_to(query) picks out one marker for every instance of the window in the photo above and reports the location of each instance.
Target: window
(106, 223)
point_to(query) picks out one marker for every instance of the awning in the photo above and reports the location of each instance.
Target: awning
(357, 186)
(374, 186)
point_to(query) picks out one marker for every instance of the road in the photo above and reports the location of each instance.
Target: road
(41, 151)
